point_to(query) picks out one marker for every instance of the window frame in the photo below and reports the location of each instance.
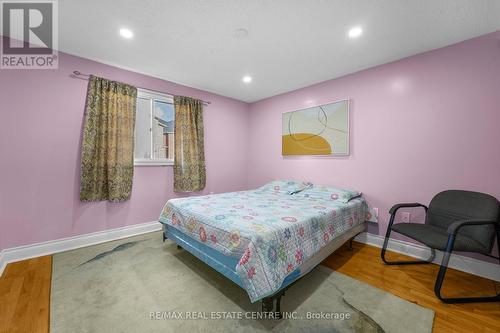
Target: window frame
(152, 96)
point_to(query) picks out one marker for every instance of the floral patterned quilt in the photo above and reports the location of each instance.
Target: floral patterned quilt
(269, 229)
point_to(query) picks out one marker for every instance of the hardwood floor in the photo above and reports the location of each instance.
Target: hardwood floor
(25, 291)
(24, 296)
(415, 283)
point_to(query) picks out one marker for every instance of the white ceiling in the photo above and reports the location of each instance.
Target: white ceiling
(290, 43)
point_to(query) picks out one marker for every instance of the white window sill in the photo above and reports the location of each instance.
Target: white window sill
(153, 162)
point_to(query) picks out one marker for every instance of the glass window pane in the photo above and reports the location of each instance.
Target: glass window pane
(163, 130)
(143, 129)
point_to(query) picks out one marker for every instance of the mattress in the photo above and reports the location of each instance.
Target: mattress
(269, 233)
(227, 265)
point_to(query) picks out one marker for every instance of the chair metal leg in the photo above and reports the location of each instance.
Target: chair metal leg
(497, 228)
(409, 262)
(442, 273)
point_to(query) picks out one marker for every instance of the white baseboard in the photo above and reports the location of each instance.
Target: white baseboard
(458, 262)
(65, 244)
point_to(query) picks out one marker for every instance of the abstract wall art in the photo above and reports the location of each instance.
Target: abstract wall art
(318, 130)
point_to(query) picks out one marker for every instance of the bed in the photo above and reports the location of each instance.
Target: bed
(266, 239)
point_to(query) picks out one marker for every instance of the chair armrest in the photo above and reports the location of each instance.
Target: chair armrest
(455, 226)
(395, 208)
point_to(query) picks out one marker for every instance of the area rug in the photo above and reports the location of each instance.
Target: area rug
(141, 284)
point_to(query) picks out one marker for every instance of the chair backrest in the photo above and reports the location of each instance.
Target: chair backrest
(453, 205)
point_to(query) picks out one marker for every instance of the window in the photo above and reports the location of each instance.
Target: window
(154, 129)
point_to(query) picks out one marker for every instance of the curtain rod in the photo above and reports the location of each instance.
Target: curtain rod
(79, 74)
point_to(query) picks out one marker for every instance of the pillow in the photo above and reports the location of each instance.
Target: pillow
(331, 193)
(286, 186)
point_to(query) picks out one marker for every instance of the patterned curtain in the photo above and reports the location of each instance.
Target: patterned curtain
(189, 159)
(108, 141)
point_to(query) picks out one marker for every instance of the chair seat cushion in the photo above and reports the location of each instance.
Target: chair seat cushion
(436, 238)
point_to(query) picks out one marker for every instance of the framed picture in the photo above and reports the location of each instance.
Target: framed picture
(318, 130)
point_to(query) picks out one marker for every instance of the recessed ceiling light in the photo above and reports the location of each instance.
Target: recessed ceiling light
(126, 33)
(247, 79)
(241, 33)
(355, 32)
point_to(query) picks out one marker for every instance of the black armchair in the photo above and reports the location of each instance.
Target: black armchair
(455, 220)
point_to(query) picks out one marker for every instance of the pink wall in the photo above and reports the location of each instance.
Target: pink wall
(418, 126)
(41, 114)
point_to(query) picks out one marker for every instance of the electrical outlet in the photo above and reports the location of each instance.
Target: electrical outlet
(375, 211)
(405, 217)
